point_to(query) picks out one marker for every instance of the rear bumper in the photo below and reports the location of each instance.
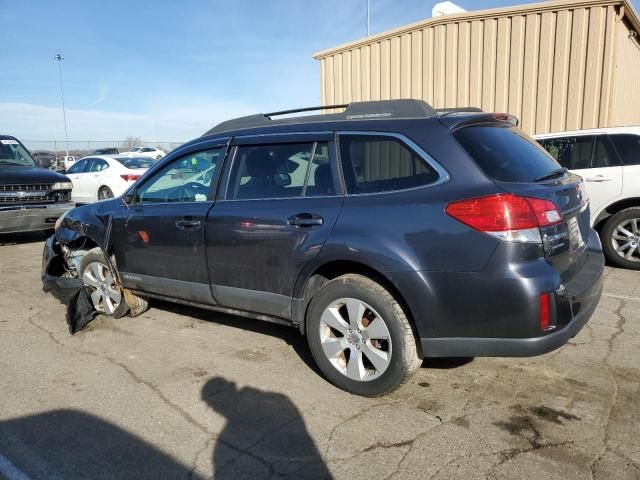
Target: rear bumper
(496, 312)
(518, 347)
(31, 218)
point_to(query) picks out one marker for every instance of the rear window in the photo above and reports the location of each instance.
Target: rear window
(505, 154)
(136, 162)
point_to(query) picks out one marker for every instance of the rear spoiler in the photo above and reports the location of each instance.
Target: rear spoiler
(457, 121)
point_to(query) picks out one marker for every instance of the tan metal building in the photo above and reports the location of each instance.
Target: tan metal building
(559, 65)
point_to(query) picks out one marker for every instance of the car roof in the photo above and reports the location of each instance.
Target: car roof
(590, 131)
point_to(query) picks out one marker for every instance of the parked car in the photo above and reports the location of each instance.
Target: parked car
(609, 161)
(44, 159)
(65, 162)
(101, 177)
(106, 151)
(150, 152)
(31, 198)
(419, 234)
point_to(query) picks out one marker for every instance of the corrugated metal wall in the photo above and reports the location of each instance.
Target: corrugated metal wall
(553, 68)
(625, 108)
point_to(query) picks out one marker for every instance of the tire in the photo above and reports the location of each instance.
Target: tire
(390, 342)
(158, 157)
(105, 193)
(95, 275)
(621, 238)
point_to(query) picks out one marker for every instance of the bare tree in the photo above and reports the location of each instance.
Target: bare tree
(131, 142)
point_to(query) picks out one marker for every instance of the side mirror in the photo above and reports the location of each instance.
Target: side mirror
(282, 179)
(129, 197)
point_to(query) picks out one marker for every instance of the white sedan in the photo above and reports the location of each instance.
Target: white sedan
(100, 177)
(150, 152)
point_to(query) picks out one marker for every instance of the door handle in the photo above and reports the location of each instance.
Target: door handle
(305, 220)
(599, 178)
(188, 223)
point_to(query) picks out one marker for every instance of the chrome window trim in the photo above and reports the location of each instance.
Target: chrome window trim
(440, 170)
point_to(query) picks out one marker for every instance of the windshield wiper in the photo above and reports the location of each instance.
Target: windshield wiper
(9, 162)
(558, 172)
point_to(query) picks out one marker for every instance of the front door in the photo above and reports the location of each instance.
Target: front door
(280, 204)
(78, 173)
(159, 237)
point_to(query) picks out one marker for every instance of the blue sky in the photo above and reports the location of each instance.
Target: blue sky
(183, 64)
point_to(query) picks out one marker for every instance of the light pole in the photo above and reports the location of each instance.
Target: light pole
(59, 58)
(368, 10)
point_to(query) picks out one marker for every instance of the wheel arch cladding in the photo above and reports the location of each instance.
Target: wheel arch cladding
(614, 208)
(310, 284)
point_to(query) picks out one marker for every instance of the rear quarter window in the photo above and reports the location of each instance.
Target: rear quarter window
(628, 147)
(506, 154)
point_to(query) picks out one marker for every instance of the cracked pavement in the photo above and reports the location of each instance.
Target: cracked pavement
(184, 393)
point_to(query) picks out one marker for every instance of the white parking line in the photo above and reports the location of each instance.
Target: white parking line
(10, 471)
(621, 297)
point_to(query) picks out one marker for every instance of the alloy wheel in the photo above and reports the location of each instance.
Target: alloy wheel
(105, 294)
(355, 339)
(626, 239)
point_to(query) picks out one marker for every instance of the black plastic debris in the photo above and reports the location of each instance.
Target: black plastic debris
(75, 296)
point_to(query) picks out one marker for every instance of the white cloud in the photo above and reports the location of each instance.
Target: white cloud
(179, 122)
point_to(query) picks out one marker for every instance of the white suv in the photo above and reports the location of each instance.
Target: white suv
(608, 159)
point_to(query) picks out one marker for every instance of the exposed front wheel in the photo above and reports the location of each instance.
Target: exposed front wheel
(106, 294)
(621, 238)
(360, 337)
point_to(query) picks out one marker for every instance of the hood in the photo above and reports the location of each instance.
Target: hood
(19, 175)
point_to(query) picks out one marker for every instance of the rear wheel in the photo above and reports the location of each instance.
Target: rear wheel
(104, 193)
(158, 157)
(106, 294)
(360, 337)
(621, 238)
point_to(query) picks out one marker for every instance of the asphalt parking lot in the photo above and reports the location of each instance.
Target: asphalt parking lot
(184, 393)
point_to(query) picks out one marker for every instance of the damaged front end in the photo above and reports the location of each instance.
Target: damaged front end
(81, 231)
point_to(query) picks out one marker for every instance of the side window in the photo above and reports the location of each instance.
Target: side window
(374, 164)
(272, 171)
(78, 167)
(98, 165)
(320, 178)
(573, 153)
(603, 153)
(628, 146)
(185, 179)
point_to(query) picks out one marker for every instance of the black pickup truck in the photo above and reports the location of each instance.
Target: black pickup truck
(31, 198)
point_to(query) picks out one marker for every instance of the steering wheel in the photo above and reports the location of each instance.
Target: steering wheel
(191, 189)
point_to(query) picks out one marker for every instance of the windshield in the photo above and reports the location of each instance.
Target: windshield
(12, 153)
(136, 162)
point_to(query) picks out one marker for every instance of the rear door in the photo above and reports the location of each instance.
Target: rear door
(159, 235)
(278, 206)
(98, 170)
(594, 159)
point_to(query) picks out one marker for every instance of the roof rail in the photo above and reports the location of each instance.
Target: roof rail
(405, 108)
(444, 111)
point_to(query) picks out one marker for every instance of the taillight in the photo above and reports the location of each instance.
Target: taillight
(130, 177)
(506, 216)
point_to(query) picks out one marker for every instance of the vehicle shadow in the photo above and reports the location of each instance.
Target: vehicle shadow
(69, 444)
(290, 335)
(446, 363)
(265, 435)
(24, 237)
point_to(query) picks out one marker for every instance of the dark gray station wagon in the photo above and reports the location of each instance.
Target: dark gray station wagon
(387, 233)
